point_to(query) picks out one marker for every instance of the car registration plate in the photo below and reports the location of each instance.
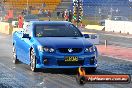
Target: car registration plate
(71, 59)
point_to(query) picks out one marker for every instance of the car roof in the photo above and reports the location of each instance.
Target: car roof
(49, 22)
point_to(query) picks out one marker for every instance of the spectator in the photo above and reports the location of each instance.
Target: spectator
(70, 16)
(62, 15)
(40, 11)
(66, 15)
(26, 11)
(23, 12)
(46, 13)
(20, 21)
(49, 14)
(58, 14)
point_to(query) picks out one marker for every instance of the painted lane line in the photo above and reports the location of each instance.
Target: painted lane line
(117, 35)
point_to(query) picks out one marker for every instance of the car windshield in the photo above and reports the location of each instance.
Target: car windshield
(57, 30)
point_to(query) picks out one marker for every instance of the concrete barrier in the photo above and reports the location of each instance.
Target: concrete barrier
(6, 28)
(118, 26)
(95, 27)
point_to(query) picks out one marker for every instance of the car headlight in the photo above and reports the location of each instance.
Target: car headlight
(46, 49)
(90, 49)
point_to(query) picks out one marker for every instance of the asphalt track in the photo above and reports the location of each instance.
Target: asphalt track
(20, 76)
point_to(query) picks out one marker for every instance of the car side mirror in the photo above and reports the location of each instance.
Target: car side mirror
(26, 36)
(86, 35)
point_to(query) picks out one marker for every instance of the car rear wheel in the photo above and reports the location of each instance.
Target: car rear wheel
(15, 60)
(33, 61)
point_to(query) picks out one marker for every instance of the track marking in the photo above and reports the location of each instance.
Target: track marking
(118, 58)
(117, 35)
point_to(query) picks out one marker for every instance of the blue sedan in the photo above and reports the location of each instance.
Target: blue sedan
(53, 44)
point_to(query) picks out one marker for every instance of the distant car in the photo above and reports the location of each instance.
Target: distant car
(119, 18)
(54, 44)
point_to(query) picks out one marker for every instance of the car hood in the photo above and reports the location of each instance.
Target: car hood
(57, 42)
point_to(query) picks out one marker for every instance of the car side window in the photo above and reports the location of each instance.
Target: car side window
(40, 31)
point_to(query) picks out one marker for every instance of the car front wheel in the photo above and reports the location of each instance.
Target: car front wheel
(15, 60)
(33, 61)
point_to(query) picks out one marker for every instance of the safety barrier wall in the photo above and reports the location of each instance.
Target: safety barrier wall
(5, 28)
(118, 26)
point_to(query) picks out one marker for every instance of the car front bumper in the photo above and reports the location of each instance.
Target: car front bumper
(57, 61)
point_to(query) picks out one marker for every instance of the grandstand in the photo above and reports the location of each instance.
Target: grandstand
(65, 4)
(33, 5)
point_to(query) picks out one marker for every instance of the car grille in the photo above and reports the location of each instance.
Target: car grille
(63, 63)
(70, 50)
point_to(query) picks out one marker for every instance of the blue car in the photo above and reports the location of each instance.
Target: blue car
(53, 44)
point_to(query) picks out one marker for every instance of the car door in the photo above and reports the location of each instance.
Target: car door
(18, 42)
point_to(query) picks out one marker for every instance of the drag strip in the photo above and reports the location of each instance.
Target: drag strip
(20, 76)
(116, 52)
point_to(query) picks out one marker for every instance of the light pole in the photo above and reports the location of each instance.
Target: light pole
(130, 15)
(117, 11)
(99, 13)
